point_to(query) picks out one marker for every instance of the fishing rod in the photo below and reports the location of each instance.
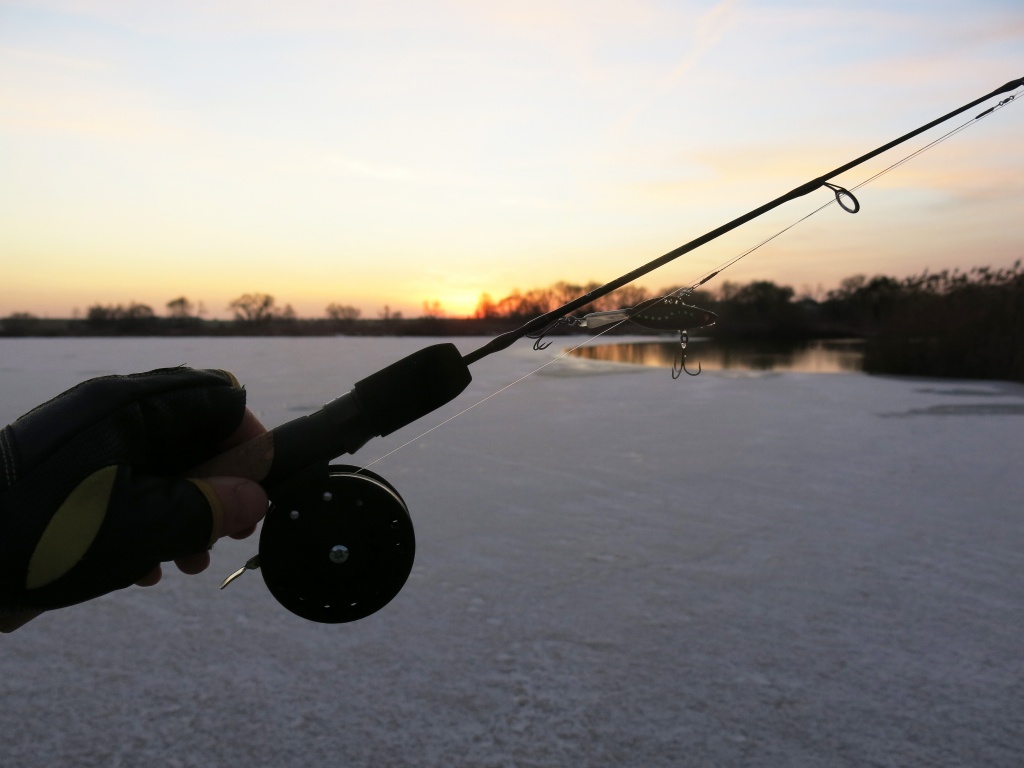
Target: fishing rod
(337, 543)
(845, 199)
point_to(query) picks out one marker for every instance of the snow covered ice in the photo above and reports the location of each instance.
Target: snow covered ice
(613, 569)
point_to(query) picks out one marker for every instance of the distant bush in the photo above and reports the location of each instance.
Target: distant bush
(133, 318)
(948, 324)
(19, 324)
(952, 324)
(538, 301)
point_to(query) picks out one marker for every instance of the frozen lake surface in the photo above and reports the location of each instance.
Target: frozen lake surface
(613, 569)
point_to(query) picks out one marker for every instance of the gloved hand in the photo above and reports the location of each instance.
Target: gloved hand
(93, 488)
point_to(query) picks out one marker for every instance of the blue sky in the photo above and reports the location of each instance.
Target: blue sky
(391, 153)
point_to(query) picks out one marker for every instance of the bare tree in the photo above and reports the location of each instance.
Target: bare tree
(433, 309)
(253, 307)
(180, 308)
(100, 313)
(485, 307)
(342, 312)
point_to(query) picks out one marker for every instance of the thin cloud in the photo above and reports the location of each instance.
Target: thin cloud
(369, 171)
(711, 27)
(12, 55)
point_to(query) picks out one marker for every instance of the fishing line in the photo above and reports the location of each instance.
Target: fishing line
(944, 137)
(335, 568)
(564, 353)
(707, 277)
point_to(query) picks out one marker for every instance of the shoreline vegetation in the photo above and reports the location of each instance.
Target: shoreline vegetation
(948, 324)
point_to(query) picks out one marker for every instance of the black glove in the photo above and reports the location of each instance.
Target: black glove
(92, 496)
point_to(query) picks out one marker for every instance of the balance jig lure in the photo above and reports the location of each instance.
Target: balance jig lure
(667, 313)
(337, 543)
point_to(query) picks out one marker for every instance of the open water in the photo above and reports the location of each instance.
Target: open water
(817, 356)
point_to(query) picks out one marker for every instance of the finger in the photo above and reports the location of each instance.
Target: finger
(249, 428)
(238, 504)
(193, 564)
(152, 578)
(243, 534)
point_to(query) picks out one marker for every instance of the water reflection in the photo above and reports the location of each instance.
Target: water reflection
(818, 356)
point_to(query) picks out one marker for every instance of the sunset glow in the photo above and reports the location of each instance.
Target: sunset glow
(396, 153)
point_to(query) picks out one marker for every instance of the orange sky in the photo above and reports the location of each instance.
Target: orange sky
(401, 152)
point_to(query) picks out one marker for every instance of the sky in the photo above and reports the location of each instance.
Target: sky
(387, 154)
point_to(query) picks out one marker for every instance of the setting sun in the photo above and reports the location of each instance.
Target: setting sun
(452, 305)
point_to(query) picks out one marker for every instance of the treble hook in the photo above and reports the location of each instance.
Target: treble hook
(679, 365)
(539, 336)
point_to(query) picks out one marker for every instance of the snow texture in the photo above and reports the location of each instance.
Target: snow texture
(613, 569)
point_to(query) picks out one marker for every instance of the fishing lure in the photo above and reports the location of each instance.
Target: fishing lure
(666, 313)
(337, 543)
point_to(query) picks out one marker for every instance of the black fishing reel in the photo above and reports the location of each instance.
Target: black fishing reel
(337, 544)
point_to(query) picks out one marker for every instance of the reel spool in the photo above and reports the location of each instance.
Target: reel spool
(337, 544)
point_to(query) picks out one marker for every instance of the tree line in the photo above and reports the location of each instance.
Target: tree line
(252, 314)
(948, 323)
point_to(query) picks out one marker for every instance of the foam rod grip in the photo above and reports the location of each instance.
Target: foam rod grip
(412, 387)
(378, 405)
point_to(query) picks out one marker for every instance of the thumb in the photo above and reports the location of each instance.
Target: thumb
(237, 505)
